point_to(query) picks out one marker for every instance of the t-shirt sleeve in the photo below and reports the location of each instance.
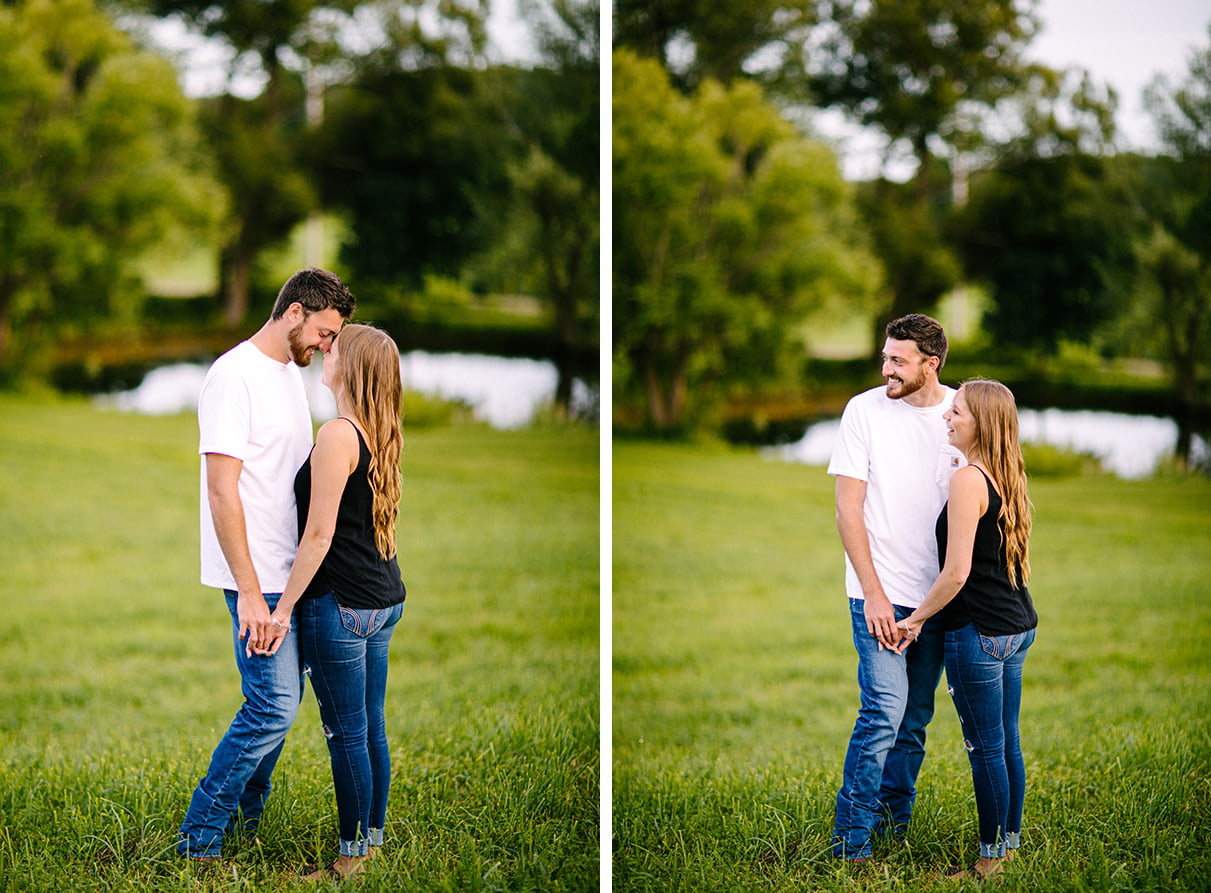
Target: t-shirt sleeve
(224, 415)
(851, 454)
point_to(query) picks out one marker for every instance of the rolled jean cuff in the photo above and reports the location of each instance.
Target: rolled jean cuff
(987, 850)
(357, 847)
(376, 837)
(1013, 840)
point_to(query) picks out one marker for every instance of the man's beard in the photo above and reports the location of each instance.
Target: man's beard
(299, 352)
(907, 387)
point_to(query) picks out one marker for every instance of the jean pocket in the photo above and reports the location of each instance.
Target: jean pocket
(1000, 647)
(363, 622)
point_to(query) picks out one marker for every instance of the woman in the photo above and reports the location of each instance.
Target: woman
(346, 580)
(983, 537)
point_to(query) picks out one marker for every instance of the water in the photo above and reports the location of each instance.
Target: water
(1130, 446)
(504, 392)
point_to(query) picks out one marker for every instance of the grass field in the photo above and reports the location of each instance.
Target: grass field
(117, 679)
(734, 687)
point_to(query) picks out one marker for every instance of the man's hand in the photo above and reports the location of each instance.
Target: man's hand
(252, 612)
(881, 621)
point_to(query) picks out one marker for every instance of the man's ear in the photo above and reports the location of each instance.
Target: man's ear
(296, 313)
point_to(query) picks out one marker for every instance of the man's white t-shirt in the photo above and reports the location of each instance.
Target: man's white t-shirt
(254, 409)
(902, 454)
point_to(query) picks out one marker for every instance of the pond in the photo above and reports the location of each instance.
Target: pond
(1130, 446)
(504, 392)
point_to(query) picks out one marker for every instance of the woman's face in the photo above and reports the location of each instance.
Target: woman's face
(960, 425)
(332, 366)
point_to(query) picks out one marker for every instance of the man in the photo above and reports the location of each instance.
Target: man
(892, 465)
(255, 434)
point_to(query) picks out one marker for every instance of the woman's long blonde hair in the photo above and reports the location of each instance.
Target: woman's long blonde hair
(369, 370)
(995, 413)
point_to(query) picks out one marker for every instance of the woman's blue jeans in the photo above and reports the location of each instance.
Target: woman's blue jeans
(345, 653)
(887, 747)
(985, 678)
(238, 780)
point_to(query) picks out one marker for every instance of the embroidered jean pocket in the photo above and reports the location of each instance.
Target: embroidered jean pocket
(1000, 647)
(363, 622)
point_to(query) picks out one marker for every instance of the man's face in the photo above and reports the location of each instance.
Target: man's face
(904, 367)
(313, 332)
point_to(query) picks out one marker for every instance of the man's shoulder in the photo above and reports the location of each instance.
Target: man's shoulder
(232, 362)
(872, 400)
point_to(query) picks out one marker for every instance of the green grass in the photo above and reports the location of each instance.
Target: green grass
(117, 679)
(734, 687)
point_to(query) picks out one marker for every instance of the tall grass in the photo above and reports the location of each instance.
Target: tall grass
(735, 690)
(117, 679)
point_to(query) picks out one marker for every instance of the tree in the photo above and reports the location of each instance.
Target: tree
(295, 45)
(938, 78)
(98, 157)
(728, 228)
(1047, 236)
(698, 39)
(409, 155)
(555, 183)
(1175, 261)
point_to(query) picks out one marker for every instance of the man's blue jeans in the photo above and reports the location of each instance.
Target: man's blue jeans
(887, 747)
(345, 654)
(985, 678)
(238, 780)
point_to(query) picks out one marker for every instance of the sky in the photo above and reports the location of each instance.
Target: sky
(1124, 42)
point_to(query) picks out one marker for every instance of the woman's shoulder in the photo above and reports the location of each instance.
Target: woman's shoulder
(969, 481)
(339, 434)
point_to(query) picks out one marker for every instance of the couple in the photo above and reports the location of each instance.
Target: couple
(934, 518)
(302, 541)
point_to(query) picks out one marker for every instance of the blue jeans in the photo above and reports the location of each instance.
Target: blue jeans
(238, 780)
(887, 747)
(985, 678)
(345, 653)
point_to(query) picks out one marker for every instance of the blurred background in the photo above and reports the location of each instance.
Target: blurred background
(166, 166)
(789, 176)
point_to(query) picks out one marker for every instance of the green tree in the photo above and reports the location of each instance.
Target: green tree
(728, 228)
(555, 184)
(698, 39)
(937, 78)
(409, 156)
(1175, 261)
(98, 157)
(1047, 236)
(297, 46)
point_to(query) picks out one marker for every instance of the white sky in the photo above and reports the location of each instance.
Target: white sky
(1125, 42)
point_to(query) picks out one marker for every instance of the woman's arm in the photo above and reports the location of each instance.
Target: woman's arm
(332, 461)
(968, 502)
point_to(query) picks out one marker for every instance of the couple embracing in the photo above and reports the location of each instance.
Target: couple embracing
(935, 521)
(301, 539)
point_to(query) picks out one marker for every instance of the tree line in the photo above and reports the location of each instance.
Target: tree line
(389, 114)
(732, 224)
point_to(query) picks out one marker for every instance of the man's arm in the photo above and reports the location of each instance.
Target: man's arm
(227, 510)
(880, 615)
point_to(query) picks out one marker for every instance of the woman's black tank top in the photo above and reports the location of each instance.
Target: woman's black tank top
(988, 599)
(352, 569)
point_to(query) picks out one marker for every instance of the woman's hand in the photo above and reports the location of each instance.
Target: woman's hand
(279, 625)
(909, 630)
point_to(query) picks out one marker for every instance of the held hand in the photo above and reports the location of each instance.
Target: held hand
(280, 624)
(881, 621)
(252, 612)
(908, 631)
